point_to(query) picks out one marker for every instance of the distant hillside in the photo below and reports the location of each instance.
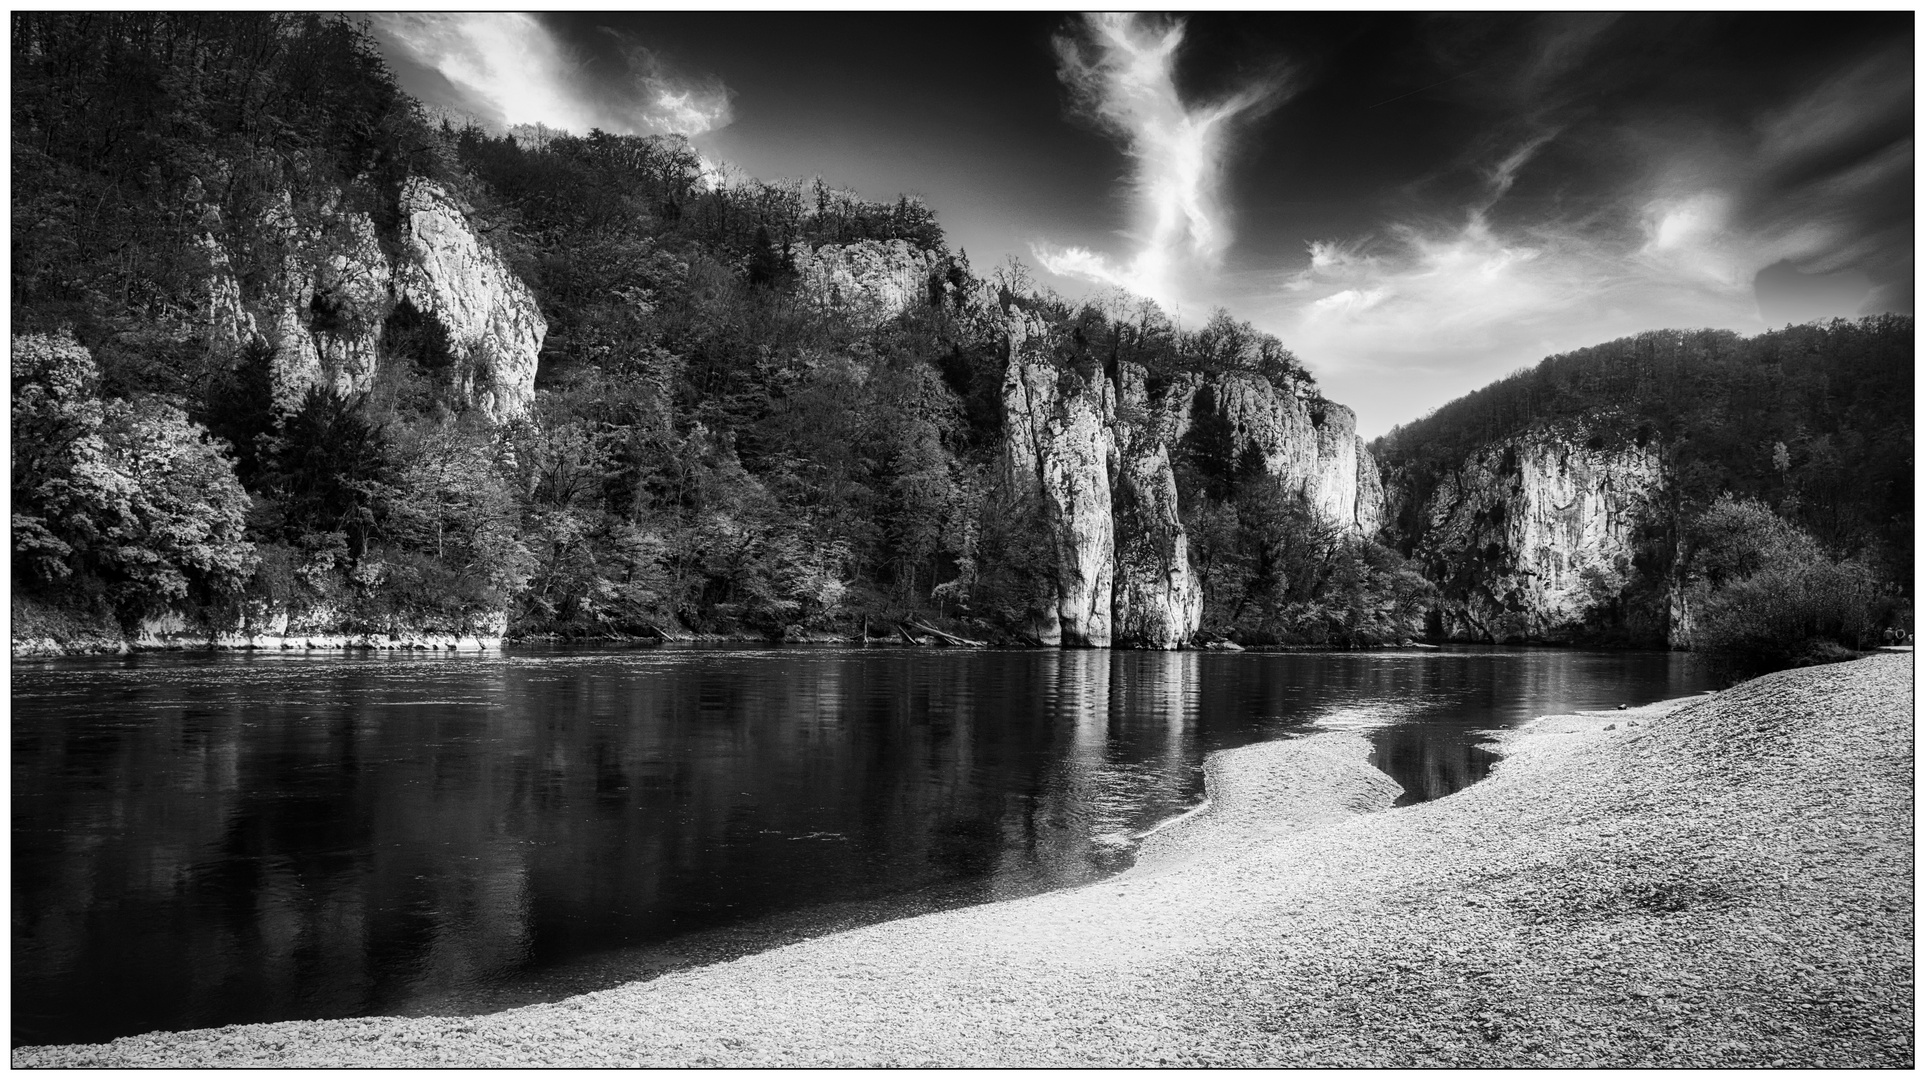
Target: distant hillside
(1599, 462)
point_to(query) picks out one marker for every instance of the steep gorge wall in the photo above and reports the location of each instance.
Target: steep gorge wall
(1309, 444)
(1094, 454)
(324, 282)
(1531, 532)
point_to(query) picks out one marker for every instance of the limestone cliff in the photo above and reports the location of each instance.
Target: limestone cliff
(1531, 531)
(871, 281)
(1308, 443)
(1092, 450)
(1090, 454)
(321, 286)
(493, 325)
(1060, 449)
(1159, 601)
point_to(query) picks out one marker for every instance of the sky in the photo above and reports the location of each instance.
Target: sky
(1416, 204)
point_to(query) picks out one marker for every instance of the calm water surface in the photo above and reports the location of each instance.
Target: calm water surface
(212, 839)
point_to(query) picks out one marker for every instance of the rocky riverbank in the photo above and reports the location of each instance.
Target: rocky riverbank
(1725, 882)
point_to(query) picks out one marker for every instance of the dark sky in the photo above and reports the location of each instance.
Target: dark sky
(1415, 203)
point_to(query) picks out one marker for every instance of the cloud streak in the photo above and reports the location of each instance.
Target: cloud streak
(510, 67)
(1120, 70)
(1693, 224)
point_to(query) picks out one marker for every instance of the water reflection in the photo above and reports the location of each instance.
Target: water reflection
(203, 840)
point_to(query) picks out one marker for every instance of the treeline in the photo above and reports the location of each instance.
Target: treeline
(710, 446)
(1815, 420)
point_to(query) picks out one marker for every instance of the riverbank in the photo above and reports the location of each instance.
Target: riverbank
(1721, 882)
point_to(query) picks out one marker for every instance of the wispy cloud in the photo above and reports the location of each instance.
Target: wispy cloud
(1121, 73)
(1787, 217)
(512, 67)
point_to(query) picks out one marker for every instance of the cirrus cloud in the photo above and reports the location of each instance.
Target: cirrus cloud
(1120, 70)
(511, 68)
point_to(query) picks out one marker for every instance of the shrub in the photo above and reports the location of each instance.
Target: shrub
(1773, 599)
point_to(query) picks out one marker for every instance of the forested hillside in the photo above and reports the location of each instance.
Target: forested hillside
(288, 353)
(1805, 433)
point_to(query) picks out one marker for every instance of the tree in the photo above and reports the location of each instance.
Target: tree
(132, 494)
(1767, 596)
(332, 470)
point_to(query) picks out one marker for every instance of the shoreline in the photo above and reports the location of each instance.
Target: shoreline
(47, 648)
(1721, 880)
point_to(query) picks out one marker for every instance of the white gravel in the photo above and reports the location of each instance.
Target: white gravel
(1720, 882)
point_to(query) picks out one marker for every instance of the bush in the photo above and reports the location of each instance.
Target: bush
(1771, 598)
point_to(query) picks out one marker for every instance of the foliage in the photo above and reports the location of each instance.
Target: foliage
(332, 470)
(130, 494)
(1275, 572)
(1767, 596)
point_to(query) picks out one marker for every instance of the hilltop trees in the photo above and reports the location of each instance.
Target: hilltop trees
(1815, 420)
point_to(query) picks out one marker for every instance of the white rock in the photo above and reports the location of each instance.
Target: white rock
(494, 326)
(1557, 511)
(872, 281)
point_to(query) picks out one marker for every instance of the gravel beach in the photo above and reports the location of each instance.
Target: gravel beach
(1720, 882)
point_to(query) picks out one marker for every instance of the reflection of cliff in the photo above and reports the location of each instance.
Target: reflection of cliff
(292, 837)
(296, 837)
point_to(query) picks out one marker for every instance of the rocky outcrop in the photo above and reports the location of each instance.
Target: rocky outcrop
(1059, 451)
(870, 281)
(1308, 443)
(1092, 452)
(493, 325)
(323, 288)
(1371, 509)
(1158, 599)
(1530, 532)
(1107, 498)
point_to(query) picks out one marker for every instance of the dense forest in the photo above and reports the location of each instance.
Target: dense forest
(716, 443)
(1805, 433)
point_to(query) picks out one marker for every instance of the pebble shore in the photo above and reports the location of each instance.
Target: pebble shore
(1720, 882)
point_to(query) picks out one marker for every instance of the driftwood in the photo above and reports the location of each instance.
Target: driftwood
(906, 635)
(947, 639)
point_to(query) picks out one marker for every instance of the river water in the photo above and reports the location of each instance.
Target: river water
(209, 839)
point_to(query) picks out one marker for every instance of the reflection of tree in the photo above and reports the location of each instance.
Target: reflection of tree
(285, 837)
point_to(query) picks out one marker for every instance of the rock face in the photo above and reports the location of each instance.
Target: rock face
(1532, 530)
(1309, 444)
(1092, 450)
(331, 288)
(1107, 497)
(1059, 451)
(494, 327)
(872, 281)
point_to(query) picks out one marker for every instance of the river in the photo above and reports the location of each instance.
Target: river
(207, 839)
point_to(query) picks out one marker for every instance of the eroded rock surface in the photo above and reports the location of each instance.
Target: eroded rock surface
(1060, 447)
(872, 281)
(1308, 443)
(1538, 528)
(1158, 599)
(494, 326)
(332, 289)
